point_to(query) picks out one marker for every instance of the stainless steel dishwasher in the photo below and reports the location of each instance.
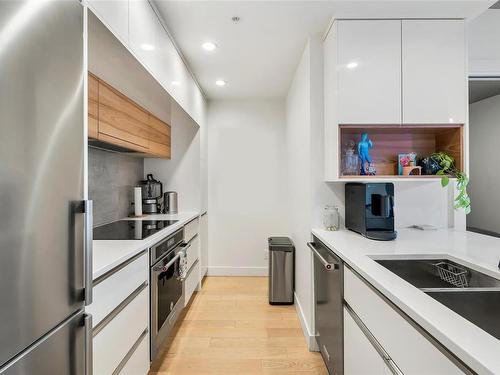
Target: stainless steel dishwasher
(328, 310)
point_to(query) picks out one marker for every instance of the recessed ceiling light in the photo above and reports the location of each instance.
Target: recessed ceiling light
(209, 46)
(352, 65)
(147, 47)
(175, 83)
(220, 82)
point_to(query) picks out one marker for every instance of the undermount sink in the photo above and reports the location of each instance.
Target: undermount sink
(479, 307)
(470, 293)
(425, 274)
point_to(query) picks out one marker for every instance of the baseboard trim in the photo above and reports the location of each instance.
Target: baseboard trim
(310, 338)
(237, 271)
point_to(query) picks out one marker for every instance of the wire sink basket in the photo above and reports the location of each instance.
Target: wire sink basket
(452, 274)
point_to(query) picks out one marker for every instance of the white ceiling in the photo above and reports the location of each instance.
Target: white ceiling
(258, 55)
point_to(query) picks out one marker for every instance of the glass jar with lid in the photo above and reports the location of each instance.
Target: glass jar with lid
(331, 218)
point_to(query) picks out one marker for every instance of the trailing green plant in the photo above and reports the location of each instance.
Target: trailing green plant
(447, 164)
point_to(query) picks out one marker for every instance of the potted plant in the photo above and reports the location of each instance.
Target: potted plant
(447, 164)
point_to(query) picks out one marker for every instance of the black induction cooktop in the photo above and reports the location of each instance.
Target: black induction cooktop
(130, 229)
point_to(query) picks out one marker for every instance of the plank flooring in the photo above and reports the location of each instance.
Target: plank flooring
(230, 328)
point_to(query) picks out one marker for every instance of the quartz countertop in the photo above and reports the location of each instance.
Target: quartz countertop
(475, 347)
(107, 254)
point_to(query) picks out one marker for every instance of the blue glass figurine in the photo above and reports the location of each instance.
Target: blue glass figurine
(364, 147)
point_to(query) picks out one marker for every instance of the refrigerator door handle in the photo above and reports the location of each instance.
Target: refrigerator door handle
(88, 210)
(88, 345)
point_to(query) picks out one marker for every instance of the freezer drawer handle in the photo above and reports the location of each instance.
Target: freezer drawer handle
(88, 345)
(88, 209)
(328, 266)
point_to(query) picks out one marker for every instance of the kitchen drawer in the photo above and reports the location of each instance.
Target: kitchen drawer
(191, 282)
(193, 251)
(412, 352)
(191, 229)
(116, 339)
(138, 363)
(115, 288)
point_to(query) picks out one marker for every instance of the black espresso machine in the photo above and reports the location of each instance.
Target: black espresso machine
(369, 210)
(152, 195)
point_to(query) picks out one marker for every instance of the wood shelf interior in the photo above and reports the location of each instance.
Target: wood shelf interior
(389, 141)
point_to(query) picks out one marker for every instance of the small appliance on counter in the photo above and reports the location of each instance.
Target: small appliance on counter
(369, 210)
(170, 200)
(152, 195)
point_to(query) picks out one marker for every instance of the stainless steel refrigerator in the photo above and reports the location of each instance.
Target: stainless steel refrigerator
(44, 221)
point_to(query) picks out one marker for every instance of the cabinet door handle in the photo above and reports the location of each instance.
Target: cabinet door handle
(88, 210)
(88, 345)
(328, 266)
(393, 367)
(378, 347)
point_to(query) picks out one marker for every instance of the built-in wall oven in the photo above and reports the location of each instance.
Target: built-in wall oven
(166, 276)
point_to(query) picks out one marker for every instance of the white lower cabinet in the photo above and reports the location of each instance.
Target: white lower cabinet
(360, 357)
(407, 346)
(113, 342)
(115, 288)
(191, 282)
(193, 252)
(138, 363)
(204, 244)
(191, 229)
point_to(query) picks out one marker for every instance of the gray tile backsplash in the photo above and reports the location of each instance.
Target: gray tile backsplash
(112, 177)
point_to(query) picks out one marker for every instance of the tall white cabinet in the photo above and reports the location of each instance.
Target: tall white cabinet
(396, 74)
(369, 71)
(434, 73)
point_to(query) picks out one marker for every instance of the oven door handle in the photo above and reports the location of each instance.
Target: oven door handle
(173, 260)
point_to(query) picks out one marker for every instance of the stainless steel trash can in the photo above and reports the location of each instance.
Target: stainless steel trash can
(281, 271)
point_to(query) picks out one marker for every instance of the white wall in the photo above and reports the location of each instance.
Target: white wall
(182, 172)
(308, 194)
(484, 178)
(247, 187)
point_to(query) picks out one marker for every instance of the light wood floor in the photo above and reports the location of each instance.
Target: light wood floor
(230, 328)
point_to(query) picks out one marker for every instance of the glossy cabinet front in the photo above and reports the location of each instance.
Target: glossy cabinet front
(369, 71)
(356, 342)
(434, 74)
(138, 27)
(116, 14)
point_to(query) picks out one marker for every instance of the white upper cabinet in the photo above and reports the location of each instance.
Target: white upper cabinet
(484, 39)
(144, 33)
(138, 27)
(114, 14)
(369, 71)
(434, 73)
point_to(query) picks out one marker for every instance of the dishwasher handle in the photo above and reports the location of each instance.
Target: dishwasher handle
(328, 266)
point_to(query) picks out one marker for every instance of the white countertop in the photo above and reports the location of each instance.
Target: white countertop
(107, 254)
(478, 349)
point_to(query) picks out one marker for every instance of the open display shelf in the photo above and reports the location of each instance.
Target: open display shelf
(391, 140)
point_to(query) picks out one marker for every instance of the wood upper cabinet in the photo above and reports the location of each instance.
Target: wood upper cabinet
(123, 123)
(159, 141)
(93, 111)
